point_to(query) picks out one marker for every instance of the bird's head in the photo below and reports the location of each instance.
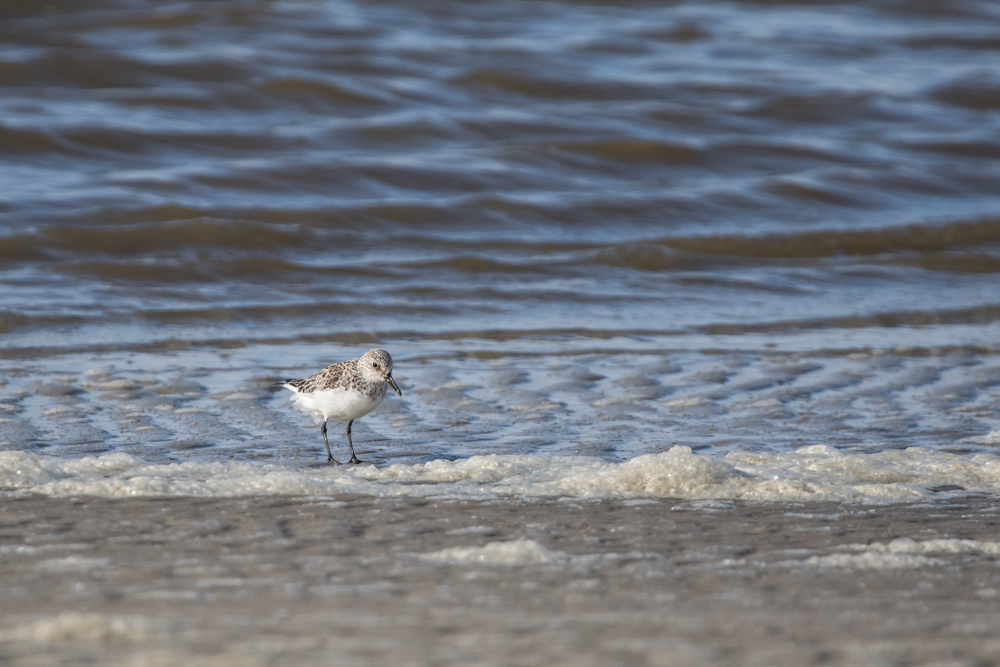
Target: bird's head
(377, 364)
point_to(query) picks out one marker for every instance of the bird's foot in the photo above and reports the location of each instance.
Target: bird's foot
(333, 461)
(355, 459)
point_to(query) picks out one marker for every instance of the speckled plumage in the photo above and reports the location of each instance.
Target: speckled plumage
(347, 375)
(345, 391)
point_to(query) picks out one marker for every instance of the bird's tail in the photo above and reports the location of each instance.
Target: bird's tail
(293, 384)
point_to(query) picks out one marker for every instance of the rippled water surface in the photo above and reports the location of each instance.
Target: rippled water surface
(580, 228)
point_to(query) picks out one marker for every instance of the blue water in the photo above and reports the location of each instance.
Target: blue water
(601, 208)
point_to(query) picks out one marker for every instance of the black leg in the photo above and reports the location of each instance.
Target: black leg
(328, 452)
(354, 459)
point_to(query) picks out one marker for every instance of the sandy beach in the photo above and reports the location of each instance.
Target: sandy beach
(357, 580)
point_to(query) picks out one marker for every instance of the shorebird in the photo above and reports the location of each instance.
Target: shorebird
(345, 391)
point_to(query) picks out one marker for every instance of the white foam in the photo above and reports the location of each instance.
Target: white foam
(118, 384)
(816, 473)
(904, 553)
(514, 552)
(991, 438)
(905, 545)
(74, 627)
(239, 396)
(526, 551)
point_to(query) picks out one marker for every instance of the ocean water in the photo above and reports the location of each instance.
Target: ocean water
(731, 261)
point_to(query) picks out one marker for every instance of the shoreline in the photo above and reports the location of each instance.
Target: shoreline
(809, 474)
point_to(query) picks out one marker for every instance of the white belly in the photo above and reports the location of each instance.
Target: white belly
(339, 404)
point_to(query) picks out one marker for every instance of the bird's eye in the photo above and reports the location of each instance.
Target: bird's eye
(374, 364)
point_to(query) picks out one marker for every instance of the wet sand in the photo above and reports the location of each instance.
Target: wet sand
(359, 580)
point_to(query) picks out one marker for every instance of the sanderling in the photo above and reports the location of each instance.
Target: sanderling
(345, 391)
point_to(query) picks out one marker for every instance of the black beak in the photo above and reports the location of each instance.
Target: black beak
(393, 384)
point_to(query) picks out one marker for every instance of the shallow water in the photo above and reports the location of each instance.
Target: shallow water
(721, 252)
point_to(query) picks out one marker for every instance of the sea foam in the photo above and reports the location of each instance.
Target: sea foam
(816, 473)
